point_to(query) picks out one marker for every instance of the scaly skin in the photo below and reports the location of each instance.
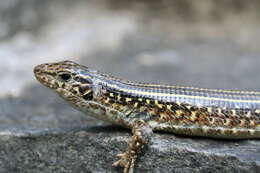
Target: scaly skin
(146, 107)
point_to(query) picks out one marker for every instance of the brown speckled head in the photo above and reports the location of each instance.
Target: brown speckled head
(48, 73)
(67, 78)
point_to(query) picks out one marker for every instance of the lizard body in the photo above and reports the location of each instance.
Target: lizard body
(145, 107)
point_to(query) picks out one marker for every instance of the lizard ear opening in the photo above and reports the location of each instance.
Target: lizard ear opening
(88, 96)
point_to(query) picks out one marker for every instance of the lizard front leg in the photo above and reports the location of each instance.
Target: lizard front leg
(142, 133)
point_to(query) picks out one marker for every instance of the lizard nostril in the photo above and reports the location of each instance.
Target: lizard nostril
(36, 70)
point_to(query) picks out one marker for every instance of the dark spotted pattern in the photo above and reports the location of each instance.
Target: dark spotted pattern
(184, 113)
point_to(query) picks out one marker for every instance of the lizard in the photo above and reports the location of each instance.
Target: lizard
(148, 107)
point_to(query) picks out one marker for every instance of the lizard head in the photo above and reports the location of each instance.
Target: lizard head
(67, 78)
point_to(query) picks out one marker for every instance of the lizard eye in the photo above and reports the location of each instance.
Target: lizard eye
(65, 76)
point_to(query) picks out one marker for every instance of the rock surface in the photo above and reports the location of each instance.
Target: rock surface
(205, 43)
(92, 149)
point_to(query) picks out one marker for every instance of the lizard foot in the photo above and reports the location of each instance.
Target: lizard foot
(141, 136)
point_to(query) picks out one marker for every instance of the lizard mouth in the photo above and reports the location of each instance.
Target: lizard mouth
(44, 76)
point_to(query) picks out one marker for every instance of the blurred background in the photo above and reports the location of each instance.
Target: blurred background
(202, 43)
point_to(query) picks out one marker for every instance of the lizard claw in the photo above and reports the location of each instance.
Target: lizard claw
(116, 164)
(123, 159)
(120, 155)
(126, 161)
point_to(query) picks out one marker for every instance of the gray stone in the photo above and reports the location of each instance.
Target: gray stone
(93, 149)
